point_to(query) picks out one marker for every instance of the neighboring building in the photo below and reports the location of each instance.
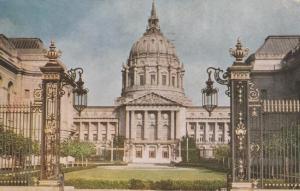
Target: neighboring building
(276, 68)
(20, 62)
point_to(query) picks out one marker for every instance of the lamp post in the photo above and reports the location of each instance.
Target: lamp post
(54, 78)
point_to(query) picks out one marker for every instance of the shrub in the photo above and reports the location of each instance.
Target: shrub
(146, 184)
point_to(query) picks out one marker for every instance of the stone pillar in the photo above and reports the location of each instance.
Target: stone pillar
(126, 77)
(170, 75)
(177, 125)
(107, 131)
(172, 124)
(206, 137)
(158, 126)
(81, 133)
(145, 125)
(135, 76)
(90, 135)
(216, 130)
(178, 78)
(158, 75)
(99, 132)
(132, 126)
(127, 125)
(239, 98)
(146, 76)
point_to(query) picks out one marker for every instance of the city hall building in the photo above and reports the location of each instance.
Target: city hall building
(152, 113)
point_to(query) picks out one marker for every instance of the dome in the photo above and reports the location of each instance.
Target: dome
(153, 43)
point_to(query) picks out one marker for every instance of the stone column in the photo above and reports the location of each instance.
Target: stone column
(216, 132)
(132, 126)
(135, 76)
(90, 135)
(127, 125)
(158, 126)
(170, 76)
(206, 137)
(126, 77)
(146, 76)
(145, 125)
(178, 125)
(107, 131)
(81, 133)
(99, 132)
(178, 78)
(158, 75)
(172, 124)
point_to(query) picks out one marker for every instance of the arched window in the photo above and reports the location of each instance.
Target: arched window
(9, 91)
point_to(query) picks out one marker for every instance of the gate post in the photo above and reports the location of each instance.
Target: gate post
(239, 87)
(50, 139)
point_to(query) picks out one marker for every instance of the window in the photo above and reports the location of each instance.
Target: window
(165, 152)
(95, 137)
(211, 138)
(104, 137)
(202, 125)
(220, 138)
(211, 127)
(152, 152)
(152, 77)
(173, 80)
(139, 132)
(142, 81)
(138, 152)
(165, 132)
(9, 91)
(193, 125)
(86, 137)
(201, 138)
(221, 127)
(27, 93)
(164, 80)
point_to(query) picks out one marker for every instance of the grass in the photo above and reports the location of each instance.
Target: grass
(125, 173)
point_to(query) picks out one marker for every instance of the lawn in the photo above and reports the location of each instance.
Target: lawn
(152, 173)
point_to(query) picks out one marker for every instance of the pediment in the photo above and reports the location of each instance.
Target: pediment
(152, 99)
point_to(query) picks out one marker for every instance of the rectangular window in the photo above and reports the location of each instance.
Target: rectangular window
(104, 137)
(164, 80)
(138, 152)
(211, 127)
(165, 153)
(202, 126)
(201, 138)
(95, 137)
(142, 81)
(221, 127)
(86, 137)
(193, 125)
(27, 93)
(211, 138)
(264, 94)
(173, 80)
(152, 152)
(220, 138)
(152, 77)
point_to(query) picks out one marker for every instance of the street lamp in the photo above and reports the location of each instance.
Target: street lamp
(79, 93)
(209, 95)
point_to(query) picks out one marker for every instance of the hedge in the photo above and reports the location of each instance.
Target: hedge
(147, 185)
(210, 164)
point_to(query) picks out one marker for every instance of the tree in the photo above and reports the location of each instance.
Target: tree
(222, 153)
(189, 150)
(77, 149)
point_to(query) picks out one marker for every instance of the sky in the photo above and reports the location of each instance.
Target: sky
(97, 35)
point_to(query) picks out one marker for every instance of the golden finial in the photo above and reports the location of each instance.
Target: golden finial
(52, 53)
(239, 52)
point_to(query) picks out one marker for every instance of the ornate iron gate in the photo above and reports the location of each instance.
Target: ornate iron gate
(274, 131)
(20, 127)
